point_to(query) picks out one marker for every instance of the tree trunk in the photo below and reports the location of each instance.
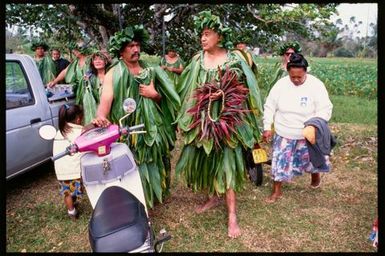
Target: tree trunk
(156, 27)
(103, 33)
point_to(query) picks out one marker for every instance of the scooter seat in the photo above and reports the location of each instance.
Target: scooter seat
(119, 222)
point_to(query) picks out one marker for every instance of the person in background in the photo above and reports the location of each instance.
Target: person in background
(292, 102)
(60, 62)
(74, 73)
(279, 69)
(172, 64)
(286, 50)
(67, 168)
(241, 44)
(45, 64)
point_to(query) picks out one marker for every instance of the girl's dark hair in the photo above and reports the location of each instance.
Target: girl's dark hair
(298, 61)
(68, 114)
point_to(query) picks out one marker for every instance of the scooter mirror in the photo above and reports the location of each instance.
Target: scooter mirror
(47, 132)
(129, 105)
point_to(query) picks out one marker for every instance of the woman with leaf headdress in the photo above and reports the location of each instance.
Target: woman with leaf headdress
(157, 103)
(219, 117)
(93, 84)
(45, 64)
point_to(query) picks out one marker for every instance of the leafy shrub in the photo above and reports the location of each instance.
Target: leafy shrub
(343, 52)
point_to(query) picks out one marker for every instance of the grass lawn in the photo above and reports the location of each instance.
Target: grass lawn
(337, 217)
(350, 109)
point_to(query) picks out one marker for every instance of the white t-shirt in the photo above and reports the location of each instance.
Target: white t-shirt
(289, 106)
(67, 167)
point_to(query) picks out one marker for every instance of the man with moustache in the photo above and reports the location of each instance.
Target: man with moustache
(157, 103)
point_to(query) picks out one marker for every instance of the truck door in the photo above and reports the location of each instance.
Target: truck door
(25, 114)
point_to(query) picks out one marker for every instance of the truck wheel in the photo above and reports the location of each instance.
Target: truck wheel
(256, 174)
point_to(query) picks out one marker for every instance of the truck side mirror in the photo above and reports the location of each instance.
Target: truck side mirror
(47, 132)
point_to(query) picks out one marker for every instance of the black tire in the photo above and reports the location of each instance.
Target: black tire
(256, 174)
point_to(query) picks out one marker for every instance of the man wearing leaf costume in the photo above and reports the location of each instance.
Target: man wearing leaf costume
(219, 117)
(157, 102)
(76, 71)
(45, 64)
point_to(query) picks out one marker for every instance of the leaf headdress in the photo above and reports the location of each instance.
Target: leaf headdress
(205, 19)
(39, 43)
(293, 44)
(82, 47)
(129, 34)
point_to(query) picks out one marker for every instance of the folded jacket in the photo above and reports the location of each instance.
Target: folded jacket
(324, 141)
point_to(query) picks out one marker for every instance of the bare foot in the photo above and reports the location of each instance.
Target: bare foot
(273, 197)
(210, 203)
(233, 229)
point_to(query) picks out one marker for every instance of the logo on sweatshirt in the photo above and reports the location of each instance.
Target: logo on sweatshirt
(303, 102)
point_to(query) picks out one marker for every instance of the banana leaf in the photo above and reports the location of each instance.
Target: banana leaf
(155, 180)
(75, 76)
(208, 145)
(89, 105)
(47, 69)
(167, 87)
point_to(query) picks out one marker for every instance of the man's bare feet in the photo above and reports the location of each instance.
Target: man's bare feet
(210, 203)
(233, 229)
(273, 197)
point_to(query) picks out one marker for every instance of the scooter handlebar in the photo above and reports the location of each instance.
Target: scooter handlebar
(60, 155)
(132, 129)
(70, 149)
(135, 127)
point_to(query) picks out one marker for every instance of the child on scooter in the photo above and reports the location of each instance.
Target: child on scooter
(67, 168)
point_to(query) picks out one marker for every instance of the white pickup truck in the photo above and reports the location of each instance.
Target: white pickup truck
(28, 107)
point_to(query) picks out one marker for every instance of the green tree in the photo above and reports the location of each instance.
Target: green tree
(268, 23)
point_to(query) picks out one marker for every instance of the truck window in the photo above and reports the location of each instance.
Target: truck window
(17, 92)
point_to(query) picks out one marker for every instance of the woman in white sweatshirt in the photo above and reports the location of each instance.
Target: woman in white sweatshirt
(292, 101)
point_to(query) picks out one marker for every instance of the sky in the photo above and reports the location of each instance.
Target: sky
(367, 13)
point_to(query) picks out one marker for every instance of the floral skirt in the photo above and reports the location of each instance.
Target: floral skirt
(71, 187)
(291, 158)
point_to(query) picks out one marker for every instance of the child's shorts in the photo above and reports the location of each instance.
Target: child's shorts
(71, 187)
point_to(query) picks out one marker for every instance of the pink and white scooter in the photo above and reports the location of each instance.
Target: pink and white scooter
(119, 222)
